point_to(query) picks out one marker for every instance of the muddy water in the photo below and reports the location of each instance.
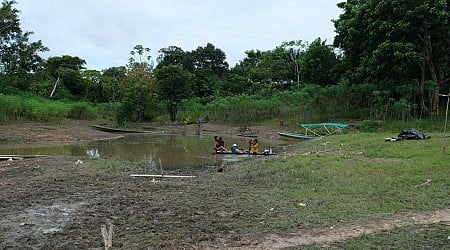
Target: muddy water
(173, 152)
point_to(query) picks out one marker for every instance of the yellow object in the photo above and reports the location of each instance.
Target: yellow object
(254, 148)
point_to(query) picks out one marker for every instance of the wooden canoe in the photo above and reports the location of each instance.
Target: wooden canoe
(316, 130)
(297, 136)
(116, 130)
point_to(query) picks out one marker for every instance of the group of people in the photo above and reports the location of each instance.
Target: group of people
(219, 147)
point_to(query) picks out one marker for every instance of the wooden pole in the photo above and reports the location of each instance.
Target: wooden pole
(446, 120)
(54, 87)
(160, 165)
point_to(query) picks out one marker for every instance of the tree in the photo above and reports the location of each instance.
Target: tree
(117, 73)
(171, 55)
(276, 68)
(318, 63)
(111, 84)
(241, 76)
(295, 50)
(209, 58)
(208, 68)
(18, 56)
(139, 98)
(101, 87)
(272, 70)
(66, 69)
(173, 87)
(394, 43)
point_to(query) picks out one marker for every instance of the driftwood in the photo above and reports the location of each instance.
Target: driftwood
(17, 157)
(425, 183)
(162, 176)
(54, 87)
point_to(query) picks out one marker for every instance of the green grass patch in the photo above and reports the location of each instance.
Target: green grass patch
(29, 107)
(345, 179)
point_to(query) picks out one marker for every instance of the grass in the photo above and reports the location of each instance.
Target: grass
(353, 178)
(433, 236)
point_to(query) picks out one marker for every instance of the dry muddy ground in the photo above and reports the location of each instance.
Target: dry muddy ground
(62, 202)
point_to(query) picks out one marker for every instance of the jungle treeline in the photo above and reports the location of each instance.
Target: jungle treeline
(389, 60)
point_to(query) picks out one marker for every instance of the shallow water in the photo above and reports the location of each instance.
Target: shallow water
(172, 151)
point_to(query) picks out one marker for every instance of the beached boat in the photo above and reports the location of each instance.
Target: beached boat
(297, 136)
(316, 130)
(116, 130)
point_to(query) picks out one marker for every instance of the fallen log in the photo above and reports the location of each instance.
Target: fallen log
(18, 157)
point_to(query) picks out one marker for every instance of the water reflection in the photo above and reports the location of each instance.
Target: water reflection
(171, 152)
(219, 162)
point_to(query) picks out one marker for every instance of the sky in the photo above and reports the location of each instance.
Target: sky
(103, 32)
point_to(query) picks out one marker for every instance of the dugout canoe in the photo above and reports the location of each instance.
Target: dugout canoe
(116, 130)
(297, 136)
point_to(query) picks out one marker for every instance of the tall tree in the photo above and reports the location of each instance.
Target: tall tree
(18, 56)
(67, 70)
(295, 51)
(209, 58)
(393, 43)
(173, 87)
(318, 63)
(241, 77)
(208, 68)
(138, 87)
(171, 55)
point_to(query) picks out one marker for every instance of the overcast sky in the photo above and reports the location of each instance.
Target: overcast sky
(103, 32)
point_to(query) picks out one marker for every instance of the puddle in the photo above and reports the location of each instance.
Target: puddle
(173, 152)
(40, 219)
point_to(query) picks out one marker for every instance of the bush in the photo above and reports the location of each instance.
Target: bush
(26, 106)
(369, 126)
(81, 111)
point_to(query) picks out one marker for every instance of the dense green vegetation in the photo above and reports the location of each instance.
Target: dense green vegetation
(389, 60)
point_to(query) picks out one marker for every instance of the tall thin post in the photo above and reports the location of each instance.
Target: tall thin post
(446, 121)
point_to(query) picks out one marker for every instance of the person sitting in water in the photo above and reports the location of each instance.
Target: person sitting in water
(235, 149)
(254, 148)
